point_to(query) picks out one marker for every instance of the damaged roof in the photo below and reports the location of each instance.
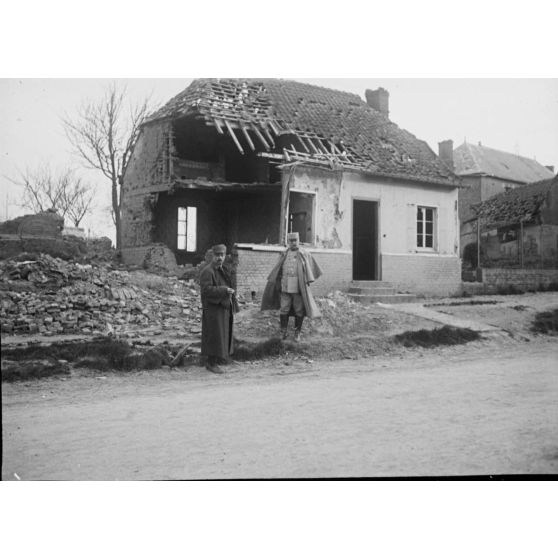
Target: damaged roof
(332, 127)
(516, 205)
(477, 159)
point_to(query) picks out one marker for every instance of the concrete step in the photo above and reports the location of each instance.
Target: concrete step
(385, 298)
(372, 290)
(368, 284)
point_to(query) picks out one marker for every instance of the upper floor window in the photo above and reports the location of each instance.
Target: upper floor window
(187, 229)
(426, 227)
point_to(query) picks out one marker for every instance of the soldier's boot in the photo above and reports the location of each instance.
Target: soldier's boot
(284, 319)
(212, 366)
(298, 327)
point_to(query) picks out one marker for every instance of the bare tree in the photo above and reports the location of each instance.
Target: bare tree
(63, 192)
(104, 134)
(78, 200)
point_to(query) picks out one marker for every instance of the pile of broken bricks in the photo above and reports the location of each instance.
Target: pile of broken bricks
(49, 296)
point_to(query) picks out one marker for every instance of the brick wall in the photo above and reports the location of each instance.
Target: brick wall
(255, 265)
(423, 274)
(524, 279)
(429, 275)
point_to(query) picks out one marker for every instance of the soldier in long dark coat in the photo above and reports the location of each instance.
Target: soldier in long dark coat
(218, 307)
(288, 286)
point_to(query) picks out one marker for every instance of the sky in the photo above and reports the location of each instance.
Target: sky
(515, 115)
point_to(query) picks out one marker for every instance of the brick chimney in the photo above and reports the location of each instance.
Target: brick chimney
(445, 152)
(378, 99)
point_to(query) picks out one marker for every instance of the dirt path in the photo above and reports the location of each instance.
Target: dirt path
(471, 411)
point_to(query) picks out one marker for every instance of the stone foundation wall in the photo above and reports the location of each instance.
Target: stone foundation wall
(525, 279)
(423, 274)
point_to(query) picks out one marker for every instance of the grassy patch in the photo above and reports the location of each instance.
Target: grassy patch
(31, 369)
(39, 361)
(546, 322)
(509, 290)
(108, 350)
(551, 287)
(465, 303)
(274, 347)
(445, 335)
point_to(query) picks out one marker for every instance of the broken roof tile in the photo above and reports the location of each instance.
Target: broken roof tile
(367, 135)
(514, 206)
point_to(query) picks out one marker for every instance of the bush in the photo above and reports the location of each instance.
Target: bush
(273, 347)
(446, 335)
(509, 290)
(13, 371)
(546, 322)
(37, 361)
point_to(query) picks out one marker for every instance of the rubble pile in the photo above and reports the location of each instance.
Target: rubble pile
(50, 296)
(160, 259)
(99, 249)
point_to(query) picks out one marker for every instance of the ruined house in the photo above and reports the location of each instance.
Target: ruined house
(486, 172)
(520, 227)
(245, 161)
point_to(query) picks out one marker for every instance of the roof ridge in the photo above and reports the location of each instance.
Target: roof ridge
(509, 153)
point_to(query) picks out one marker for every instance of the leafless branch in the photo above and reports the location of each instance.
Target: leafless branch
(61, 192)
(103, 135)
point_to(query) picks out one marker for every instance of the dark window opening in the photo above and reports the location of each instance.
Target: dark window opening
(301, 215)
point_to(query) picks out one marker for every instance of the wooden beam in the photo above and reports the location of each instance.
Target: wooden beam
(231, 132)
(269, 137)
(248, 138)
(322, 145)
(262, 139)
(313, 145)
(272, 126)
(303, 143)
(218, 126)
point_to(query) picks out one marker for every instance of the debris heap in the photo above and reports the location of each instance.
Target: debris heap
(50, 296)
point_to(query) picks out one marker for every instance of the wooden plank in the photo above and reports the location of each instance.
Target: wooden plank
(322, 145)
(262, 139)
(269, 137)
(180, 355)
(218, 126)
(272, 126)
(303, 143)
(231, 132)
(248, 138)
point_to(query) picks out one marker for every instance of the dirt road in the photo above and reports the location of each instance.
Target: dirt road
(481, 411)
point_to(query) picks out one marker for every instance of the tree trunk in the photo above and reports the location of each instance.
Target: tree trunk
(116, 212)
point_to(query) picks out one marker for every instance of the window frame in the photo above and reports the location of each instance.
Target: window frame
(187, 241)
(435, 236)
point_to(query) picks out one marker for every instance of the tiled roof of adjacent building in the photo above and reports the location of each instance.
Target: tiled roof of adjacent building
(332, 127)
(519, 204)
(476, 159)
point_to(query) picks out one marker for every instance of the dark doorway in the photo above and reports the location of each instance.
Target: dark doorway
(301, 208)
(365, 240)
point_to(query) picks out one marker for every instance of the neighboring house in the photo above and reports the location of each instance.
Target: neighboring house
(486, 172)
(521, 226)
(244, 161)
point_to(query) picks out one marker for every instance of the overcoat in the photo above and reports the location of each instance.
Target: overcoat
(307, 270)
(218, 308)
